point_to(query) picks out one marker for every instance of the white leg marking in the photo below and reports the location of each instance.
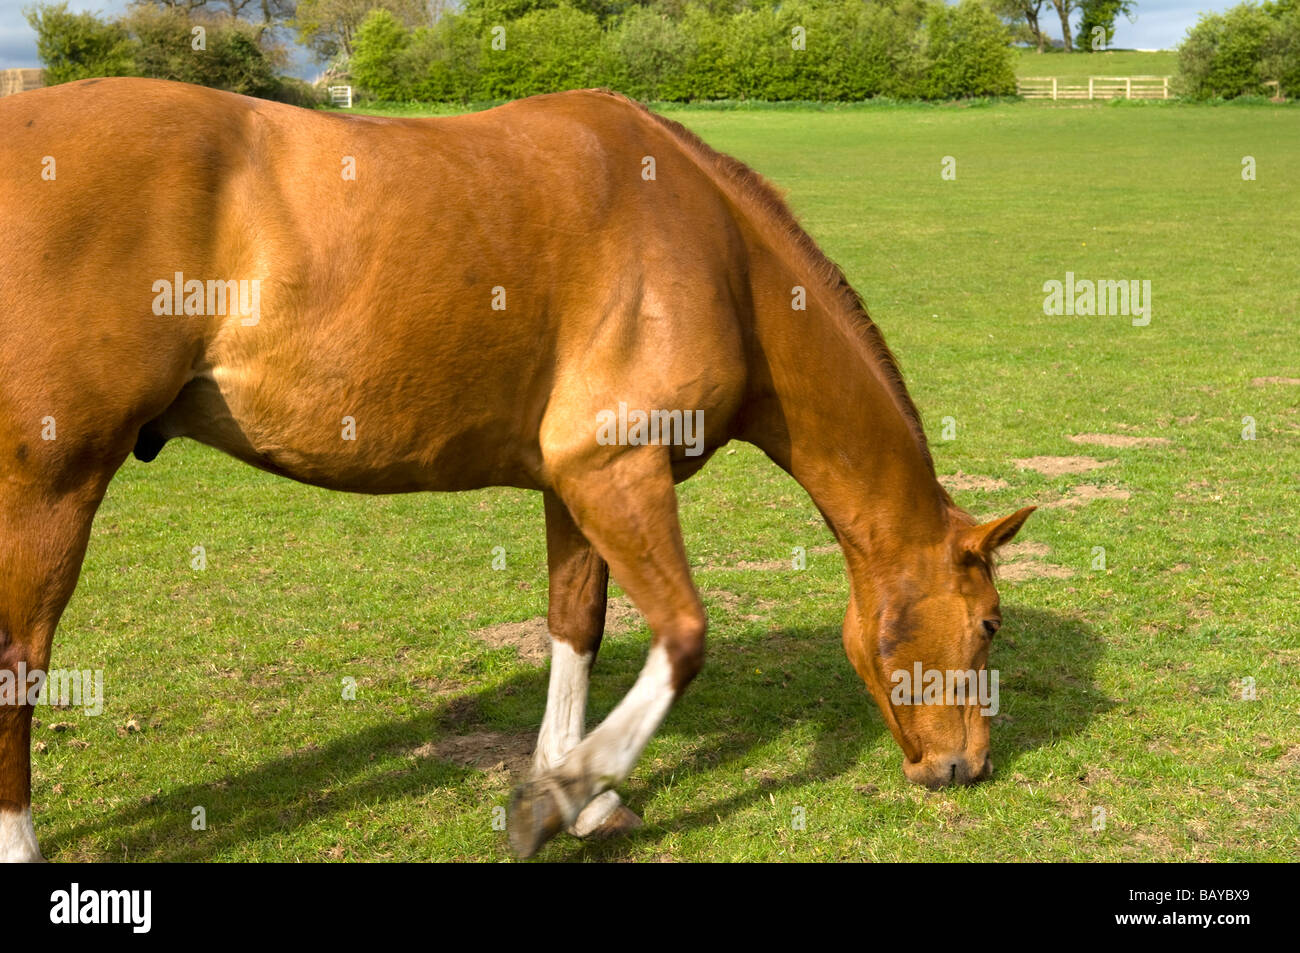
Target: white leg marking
(566, 705)
(609, 753)
(18, 837)
(564, 724)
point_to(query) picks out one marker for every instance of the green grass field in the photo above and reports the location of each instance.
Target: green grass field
(1121, 688)
(1076, 66)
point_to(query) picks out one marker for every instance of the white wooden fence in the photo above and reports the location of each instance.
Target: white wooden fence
(341, 96)
(1097, 87)
(20, 80)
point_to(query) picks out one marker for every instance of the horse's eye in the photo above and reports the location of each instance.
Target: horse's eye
(991, 627)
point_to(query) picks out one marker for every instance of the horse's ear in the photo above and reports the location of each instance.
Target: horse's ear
(987, 537)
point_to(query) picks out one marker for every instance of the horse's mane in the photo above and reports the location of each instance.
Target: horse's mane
(761, 194)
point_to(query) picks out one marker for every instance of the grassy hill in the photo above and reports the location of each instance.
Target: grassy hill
(1083, 65)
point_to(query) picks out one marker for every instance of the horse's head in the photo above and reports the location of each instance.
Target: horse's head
(919, 634)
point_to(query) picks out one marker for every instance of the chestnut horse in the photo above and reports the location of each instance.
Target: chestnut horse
(394, 305)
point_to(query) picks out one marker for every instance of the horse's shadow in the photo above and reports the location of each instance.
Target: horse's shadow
(1047, 663)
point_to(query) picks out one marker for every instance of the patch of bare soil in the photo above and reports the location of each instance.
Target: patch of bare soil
(1265, 381)
(765, 564)
(1086, 493)
(972, 481)
(1033, 569)
(1060, 466)
(483, 750)
(1027, 548)
(532, 639)
(1117, 440)
(731, 602)
(1291, 759)
(1024, 560)
(621, 616)
(771, 565)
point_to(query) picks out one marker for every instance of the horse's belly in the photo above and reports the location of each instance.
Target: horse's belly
(355, 433)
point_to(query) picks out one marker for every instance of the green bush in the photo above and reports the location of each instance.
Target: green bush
(214, 50)
(1280, 59)
(649, 53)
(298, 92)
(208, 50)
(1234, 53)
(544, 51)
(867, 51)
(678, 50)
(377, 52)
(968, 52)
(444, 61)
(79, 45)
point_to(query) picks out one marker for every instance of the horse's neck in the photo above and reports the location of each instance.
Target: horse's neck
(827, 415)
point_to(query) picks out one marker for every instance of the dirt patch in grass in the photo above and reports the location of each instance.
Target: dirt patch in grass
(532, 639)
(1087, 493)
(1117, 440)
(1265, 381)
(1060, 466)
(1021, 561)
(1020, 550)
(770, 565)
(483, 750)
(621, 616)
(1290, 760)
(972, 481)
(764, 565)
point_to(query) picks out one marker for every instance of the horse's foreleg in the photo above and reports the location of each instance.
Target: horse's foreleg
(43, 537)
(579, 583)
(627, 508)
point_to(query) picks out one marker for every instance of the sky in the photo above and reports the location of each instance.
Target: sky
(1160, 25)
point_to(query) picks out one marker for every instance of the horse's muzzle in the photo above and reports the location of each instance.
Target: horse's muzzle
(948, 770)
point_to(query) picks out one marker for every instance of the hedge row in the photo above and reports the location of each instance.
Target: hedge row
(209, 49)
(806, 50)
(1237, 52)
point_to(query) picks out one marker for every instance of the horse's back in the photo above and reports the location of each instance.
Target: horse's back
(427, 282)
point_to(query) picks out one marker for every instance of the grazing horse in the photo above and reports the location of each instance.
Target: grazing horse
(519, 297)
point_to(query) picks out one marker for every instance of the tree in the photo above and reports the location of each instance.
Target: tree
(265, 12)
(1022, 17)
(504, 11)
(1280, 57)
(236, 55)
(1240, 51)
(328, 26)
(379, 43)
(185, 6)
(1064, 8)
(78, 45)
(1097, 23)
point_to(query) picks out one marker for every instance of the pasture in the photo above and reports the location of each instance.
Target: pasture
(1121, 687)
(1076, 66)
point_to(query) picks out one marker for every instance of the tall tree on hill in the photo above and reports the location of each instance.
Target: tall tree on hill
(1022, 16)
(1100, 15)
(1064, 8)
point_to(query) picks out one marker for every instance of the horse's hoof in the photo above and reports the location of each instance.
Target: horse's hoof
(533, 819)
(622, 820)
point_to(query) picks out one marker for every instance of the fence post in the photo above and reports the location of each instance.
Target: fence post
(1053, 87)
(1089, 87)
(1128, 87)
(1166, 95)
